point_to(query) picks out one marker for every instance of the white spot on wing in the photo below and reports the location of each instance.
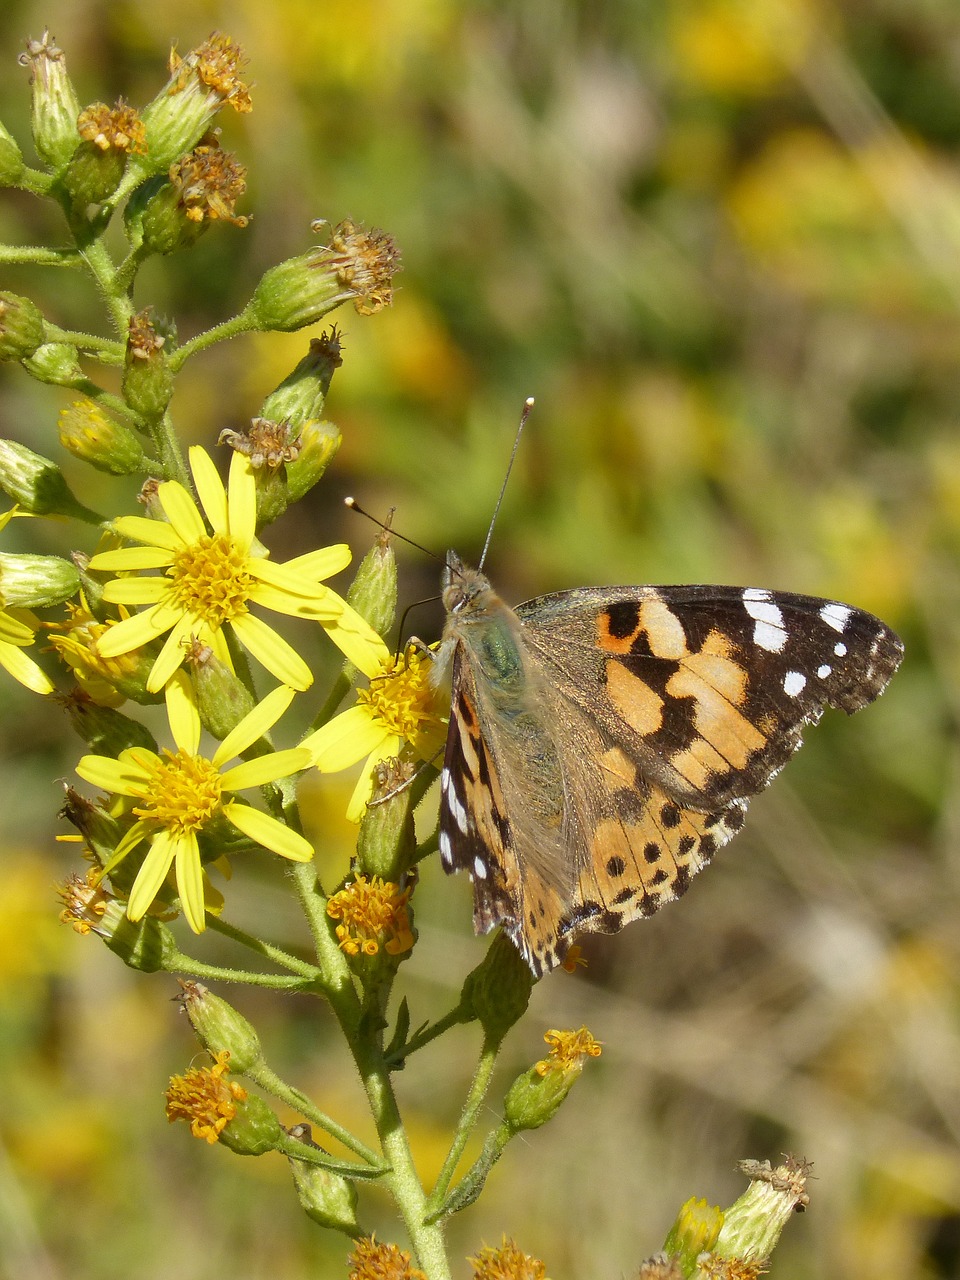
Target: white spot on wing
(479, 869)
(794, 683)
(444, 780)
(840, 649)
(457, 811)
(768, 632)
(824, 671)
(836, 615)
(446, 850)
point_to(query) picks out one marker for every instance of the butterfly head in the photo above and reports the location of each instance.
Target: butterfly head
(465, 590)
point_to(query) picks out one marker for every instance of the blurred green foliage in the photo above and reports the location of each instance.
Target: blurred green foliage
(719, 241)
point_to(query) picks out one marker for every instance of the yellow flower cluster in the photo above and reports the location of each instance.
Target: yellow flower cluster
(205, 1098)
(373, 914)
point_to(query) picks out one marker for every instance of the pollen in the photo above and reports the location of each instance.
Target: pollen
(210, 579)
(567, 1050)
(205, 1099)
(183, 794)
(373, 913)
(402, 697)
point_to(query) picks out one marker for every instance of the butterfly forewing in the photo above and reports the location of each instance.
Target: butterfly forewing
(603, 742)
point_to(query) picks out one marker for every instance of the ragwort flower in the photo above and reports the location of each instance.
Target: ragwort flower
(398, 706)
(178, 794)
(211, 579)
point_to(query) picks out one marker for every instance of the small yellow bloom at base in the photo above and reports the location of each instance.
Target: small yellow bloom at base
(374, 914)
(205, 1099)
(567, 1050)
(506, 1262)
(371, 1260)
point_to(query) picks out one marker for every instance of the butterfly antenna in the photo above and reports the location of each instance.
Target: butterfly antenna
(527, 406)
(386, 527)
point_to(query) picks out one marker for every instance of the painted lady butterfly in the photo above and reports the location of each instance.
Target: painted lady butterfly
(604, 742)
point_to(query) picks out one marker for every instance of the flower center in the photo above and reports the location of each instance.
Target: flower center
(210, 579)
(402, 698)
(184, 792)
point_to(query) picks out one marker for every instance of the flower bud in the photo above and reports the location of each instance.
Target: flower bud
(222, 699)
(269, 446)
(694, 1232)
(147, 380)
(147, 945)
(108, 135)
(534, 1097)
(752, 1226)
(55, 105)
(11, 160)
(254, 1130)
(319, 442)
(498, 991)
(37, 484)
(91, 435)
(300, 397)
(100, 830)
(36, 582)
(203, 187)
(105, 730)
(200, 83)
(327, 1197)
(106, 681)
(56, 363)
(219, 1026)
(373, 592)
(387, 843)
(21, 327)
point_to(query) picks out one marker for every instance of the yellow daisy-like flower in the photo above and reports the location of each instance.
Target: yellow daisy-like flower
(373, 914)
(179, 793)
(210, 579)
(398, 706)
(18, 628)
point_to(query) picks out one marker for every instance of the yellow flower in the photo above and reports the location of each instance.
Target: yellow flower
(18, 627)
(398, 706)
(205, 1098)
(567, 1050)
(211, 579)
(179, 793)
(371, 1260)
(506, 1263)
(374, 913)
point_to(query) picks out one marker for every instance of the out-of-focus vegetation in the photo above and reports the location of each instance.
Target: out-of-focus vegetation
(719, 241)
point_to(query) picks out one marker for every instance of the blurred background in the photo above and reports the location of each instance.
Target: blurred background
(719, 241)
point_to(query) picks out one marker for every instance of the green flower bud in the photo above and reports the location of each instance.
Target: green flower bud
(327, 1197)
(219, 1026)
(147, 380)
(386, 843)
(319, 442)
(301, 396)
(11, 160)
(56, 363)
(295, 293)
(36, 582)
(269, 446)
(498, 991)
(533, 1099)
(37, 484)
(91, 435)
(55, 105)
(254, 1130)
(108, 135)
(373, 592)
(752, 1226)
(200, 83)
(21, 327)
(100, 830)
(222, 699)
(694, 1232)
(105, 730)
(165, 225)
(146, 945)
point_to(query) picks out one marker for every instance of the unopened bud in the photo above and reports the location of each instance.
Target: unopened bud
(327, 1197)
(11, 160)
(105, 730)
(301, 396)
(37, 484)
(222, 699)
(373, 592)
(694, 1232)
(36, 582)
(387, 842)
(498, 991)
(21, 327)
(219, 1026)
(319, 442)
(55, 105)
(55, 363)
(91, 435)
(147, 380)
(254, 1130)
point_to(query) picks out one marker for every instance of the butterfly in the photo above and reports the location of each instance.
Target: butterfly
(604, 742)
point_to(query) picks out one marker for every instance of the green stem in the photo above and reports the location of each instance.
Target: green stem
(86, 342)
(468, 1119)
(180, 963)
(265, 949)
(270, 1082)
(453, 1019)
(104, 273)
(35, 181)
(219, 333)
(14, 254)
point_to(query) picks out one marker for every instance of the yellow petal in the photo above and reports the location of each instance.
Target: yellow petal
(286, 579)
(190, 881)
(242, 501)
(254, 725)
(139, 831)
(322, 563)
(155, 533)
(182, 712)
(123, 777)
(269, 832)
(151, 875)
(264, 769)
(173, 652)
(134, 632)
(136, 590)
(129, 559)
(181, 511)
(279, 658)
(14, 630)
(357, 640)
(210, 489)
(24, 669)
(346, 739)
